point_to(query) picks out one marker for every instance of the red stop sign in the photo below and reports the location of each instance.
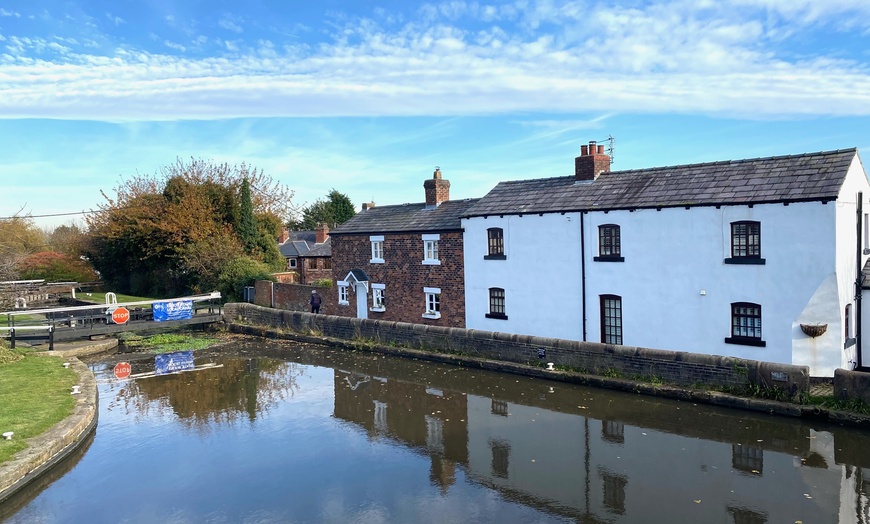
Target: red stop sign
(120, 315)
(122, 369)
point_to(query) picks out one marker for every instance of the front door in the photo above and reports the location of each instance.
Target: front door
(362, 301)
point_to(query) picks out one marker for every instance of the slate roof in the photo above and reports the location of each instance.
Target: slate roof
(406, 218)
(320, 250)
(293, 248)
(796, 178)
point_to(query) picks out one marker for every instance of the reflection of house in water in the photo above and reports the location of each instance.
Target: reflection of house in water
(605, 461)
(427, 419)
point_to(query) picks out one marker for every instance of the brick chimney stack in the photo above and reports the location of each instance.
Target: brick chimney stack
(321, 233)
(437, 189)
(591, 162)
(285, 235)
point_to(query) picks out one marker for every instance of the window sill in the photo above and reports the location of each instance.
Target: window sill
(378, 309)
(746, 341)
(745, 261)
(500, 316)
(432, 315)
(376, 261)
(431, 262)
(343, 303)
(494, 257)
(609, 258)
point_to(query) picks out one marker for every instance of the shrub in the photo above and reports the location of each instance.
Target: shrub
(237, 274)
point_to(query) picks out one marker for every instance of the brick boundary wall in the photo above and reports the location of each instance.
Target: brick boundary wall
(673, 367)
(294, 297)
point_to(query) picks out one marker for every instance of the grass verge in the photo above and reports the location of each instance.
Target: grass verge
(100, 298)
(36, 395)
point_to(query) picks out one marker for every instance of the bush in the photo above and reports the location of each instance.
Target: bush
(323, 282)
(237, 274)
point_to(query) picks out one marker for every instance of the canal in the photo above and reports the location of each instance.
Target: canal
(270, 431)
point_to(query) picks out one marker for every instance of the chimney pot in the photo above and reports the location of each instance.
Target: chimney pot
(591, 162)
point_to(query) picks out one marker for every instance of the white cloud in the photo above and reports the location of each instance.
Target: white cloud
(669, 56)
(4, 12)
(117, 20)
(229, 23)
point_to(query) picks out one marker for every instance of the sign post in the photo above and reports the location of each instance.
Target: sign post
(122, 369)
(120, 315)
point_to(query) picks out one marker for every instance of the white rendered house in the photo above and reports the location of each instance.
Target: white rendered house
(749, 258)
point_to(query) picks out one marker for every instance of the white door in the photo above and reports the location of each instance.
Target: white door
(362, 301)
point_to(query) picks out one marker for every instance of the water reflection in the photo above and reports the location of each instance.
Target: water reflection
(295, 433)
(218, 394)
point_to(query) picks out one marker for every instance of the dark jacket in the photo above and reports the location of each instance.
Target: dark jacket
(315, 299)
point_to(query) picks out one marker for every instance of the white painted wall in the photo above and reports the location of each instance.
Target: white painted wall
(672, 255)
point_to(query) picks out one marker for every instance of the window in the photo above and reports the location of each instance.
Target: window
(745, 243)
(433, 302)
(847, 327)
(430, 249)
(342, 292)
(611, 319)
(377, 249)
(378, 300)
(501, 457)
(292, 263)
(496, 303)
(312, 263)
(745, 325)
(495, 244)
(327, 263)
(609, 244)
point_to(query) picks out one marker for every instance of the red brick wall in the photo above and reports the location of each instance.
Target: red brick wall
(295, 297)
(309, 276)
(404, 276)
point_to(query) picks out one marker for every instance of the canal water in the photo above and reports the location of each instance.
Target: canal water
(268, 431)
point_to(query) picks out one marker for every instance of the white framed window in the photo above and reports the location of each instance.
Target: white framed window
(433, 302)
(292, 263)
(430, 250)
(378, 301)
(342, 293)
(377, 249)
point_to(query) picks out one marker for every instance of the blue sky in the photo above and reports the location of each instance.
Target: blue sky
(368, 97)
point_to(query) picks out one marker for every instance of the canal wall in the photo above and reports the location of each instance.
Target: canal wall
(673, 367)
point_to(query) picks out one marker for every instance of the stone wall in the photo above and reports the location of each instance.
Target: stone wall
(602, 359)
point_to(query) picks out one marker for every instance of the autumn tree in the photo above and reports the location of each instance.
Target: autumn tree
(336, 209)
(173, 232)
(19, 237)
(55, 267)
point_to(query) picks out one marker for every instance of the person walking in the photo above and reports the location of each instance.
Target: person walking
(315, 301)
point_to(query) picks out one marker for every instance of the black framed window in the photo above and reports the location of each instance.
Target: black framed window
(745, 243)
(496, 303)
(495, 244)
(746, 324)
(609, 244)
(611, 319)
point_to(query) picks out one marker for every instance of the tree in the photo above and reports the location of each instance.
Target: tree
(172, 232)
(247, 223)
(238, 273)
(335, 210)
(55, 267)
(19, 237)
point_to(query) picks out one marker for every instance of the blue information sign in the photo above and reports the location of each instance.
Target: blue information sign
(172, 310)
(173, 362)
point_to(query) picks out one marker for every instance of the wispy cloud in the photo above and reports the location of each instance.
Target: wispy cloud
(4, 12)
(117, 20)
(458, 58)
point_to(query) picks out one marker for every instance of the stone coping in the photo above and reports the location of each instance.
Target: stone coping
(713, 398)
(45, 450)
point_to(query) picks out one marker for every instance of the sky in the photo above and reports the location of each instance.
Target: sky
(368, 97)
